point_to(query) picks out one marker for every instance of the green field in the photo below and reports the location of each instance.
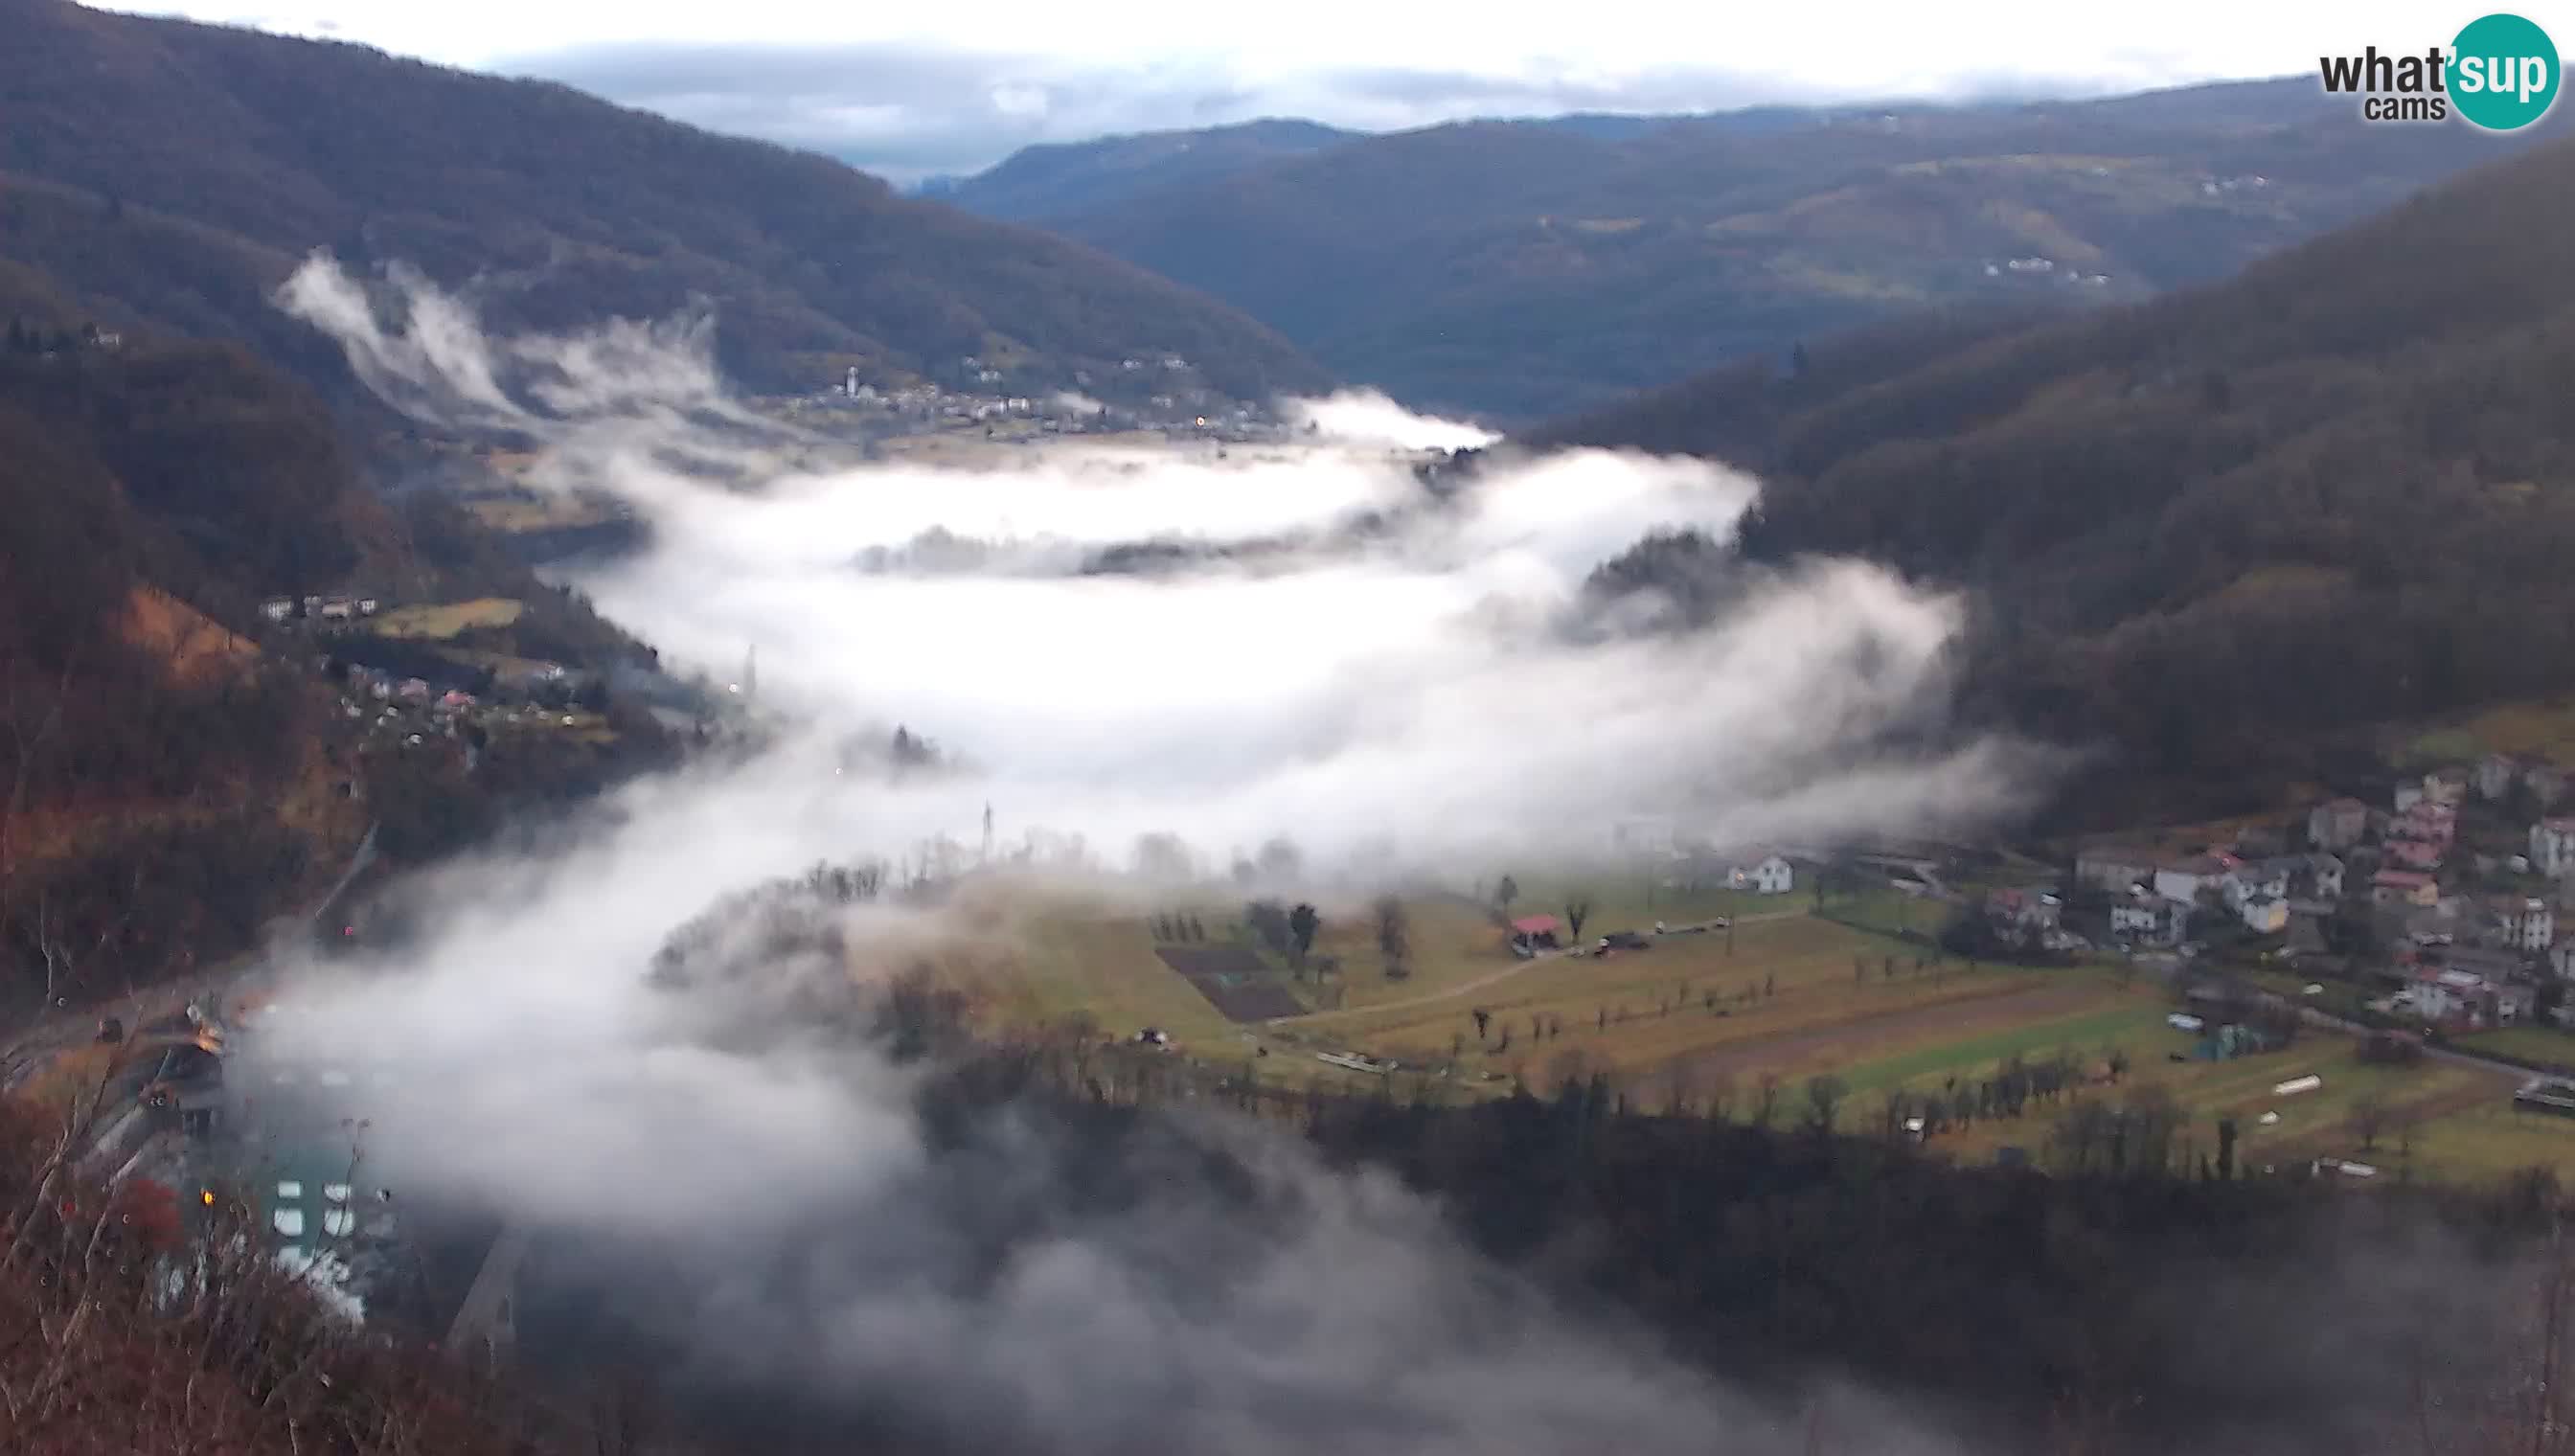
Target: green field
(446, 621)
(1705, 1017)
(2489, 1142)
(2542, 1045)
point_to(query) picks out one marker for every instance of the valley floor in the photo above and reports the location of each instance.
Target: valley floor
(1724, 1021)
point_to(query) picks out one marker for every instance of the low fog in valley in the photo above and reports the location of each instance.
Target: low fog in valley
(1409, 684)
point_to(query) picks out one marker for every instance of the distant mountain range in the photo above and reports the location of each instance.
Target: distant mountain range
(1521, 269)
(1059, 179)
(172, 174)
(2221, 530)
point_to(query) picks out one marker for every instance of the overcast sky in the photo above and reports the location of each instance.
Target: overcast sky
(914, 90)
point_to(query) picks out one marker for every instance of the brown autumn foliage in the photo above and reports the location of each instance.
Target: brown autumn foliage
(125, 1327)
(163, 786)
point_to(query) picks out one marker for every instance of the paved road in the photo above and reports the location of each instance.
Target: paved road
(1489, 979)
(57, 1030)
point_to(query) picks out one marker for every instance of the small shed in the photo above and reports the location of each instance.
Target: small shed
(1531, 934)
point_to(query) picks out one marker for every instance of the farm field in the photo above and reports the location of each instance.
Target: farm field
(2544, 1045)
(2543, 729)
(1796, 996)
(2490, 1141)
(1069, 963)
(446, 621)
(1785, 991)
(2322, 1122)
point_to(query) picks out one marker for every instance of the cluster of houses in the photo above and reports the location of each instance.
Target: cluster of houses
(2467, 936)
(985, 400)
(413, 710)
(317, 608)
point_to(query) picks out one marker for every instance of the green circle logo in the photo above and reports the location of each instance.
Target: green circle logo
(2503, 72)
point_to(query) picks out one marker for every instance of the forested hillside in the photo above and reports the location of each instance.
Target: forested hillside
(2220, 528)
(173, 771)
(167, 785)
(1525, 269)
(175, 173)
(1063, 178)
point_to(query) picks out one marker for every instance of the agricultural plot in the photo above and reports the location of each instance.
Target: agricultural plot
(2486, 1142)
(2539, 1046)
(1233, 978)
(2357, 1110)
(1072, 962)
(446, 621)
(1790, 991)
(1694, 1021)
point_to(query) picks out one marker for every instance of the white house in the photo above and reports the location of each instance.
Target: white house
(2145, 915)
(2269, 915)
(2447, 785)
(2525, 925)
(2552, 848)
(2256, 879)
(2409, 792)
(2496, 774)
(1774, 875)
(2183, 879)
(2458, 995)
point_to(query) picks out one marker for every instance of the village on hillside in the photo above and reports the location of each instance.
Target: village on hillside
(2442, 904)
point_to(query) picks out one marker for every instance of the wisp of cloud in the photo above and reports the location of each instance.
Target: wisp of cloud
(1291, 640)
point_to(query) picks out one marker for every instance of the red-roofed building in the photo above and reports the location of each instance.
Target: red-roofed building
(2413, 854)
(1533, 932)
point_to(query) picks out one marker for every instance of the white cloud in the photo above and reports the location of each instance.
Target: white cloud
(1368, 417)
(1373, 666)
(1878, 48)
(1347, 659)
(975, 84)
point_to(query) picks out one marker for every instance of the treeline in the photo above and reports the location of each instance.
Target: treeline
(2218, 529)
(168, 781)
(2156, 1293)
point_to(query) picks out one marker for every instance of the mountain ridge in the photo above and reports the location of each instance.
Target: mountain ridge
(239, 153)
(1519, 271)
(2225, 531)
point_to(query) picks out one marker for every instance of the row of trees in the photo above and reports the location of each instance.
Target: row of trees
(2075, 1310)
